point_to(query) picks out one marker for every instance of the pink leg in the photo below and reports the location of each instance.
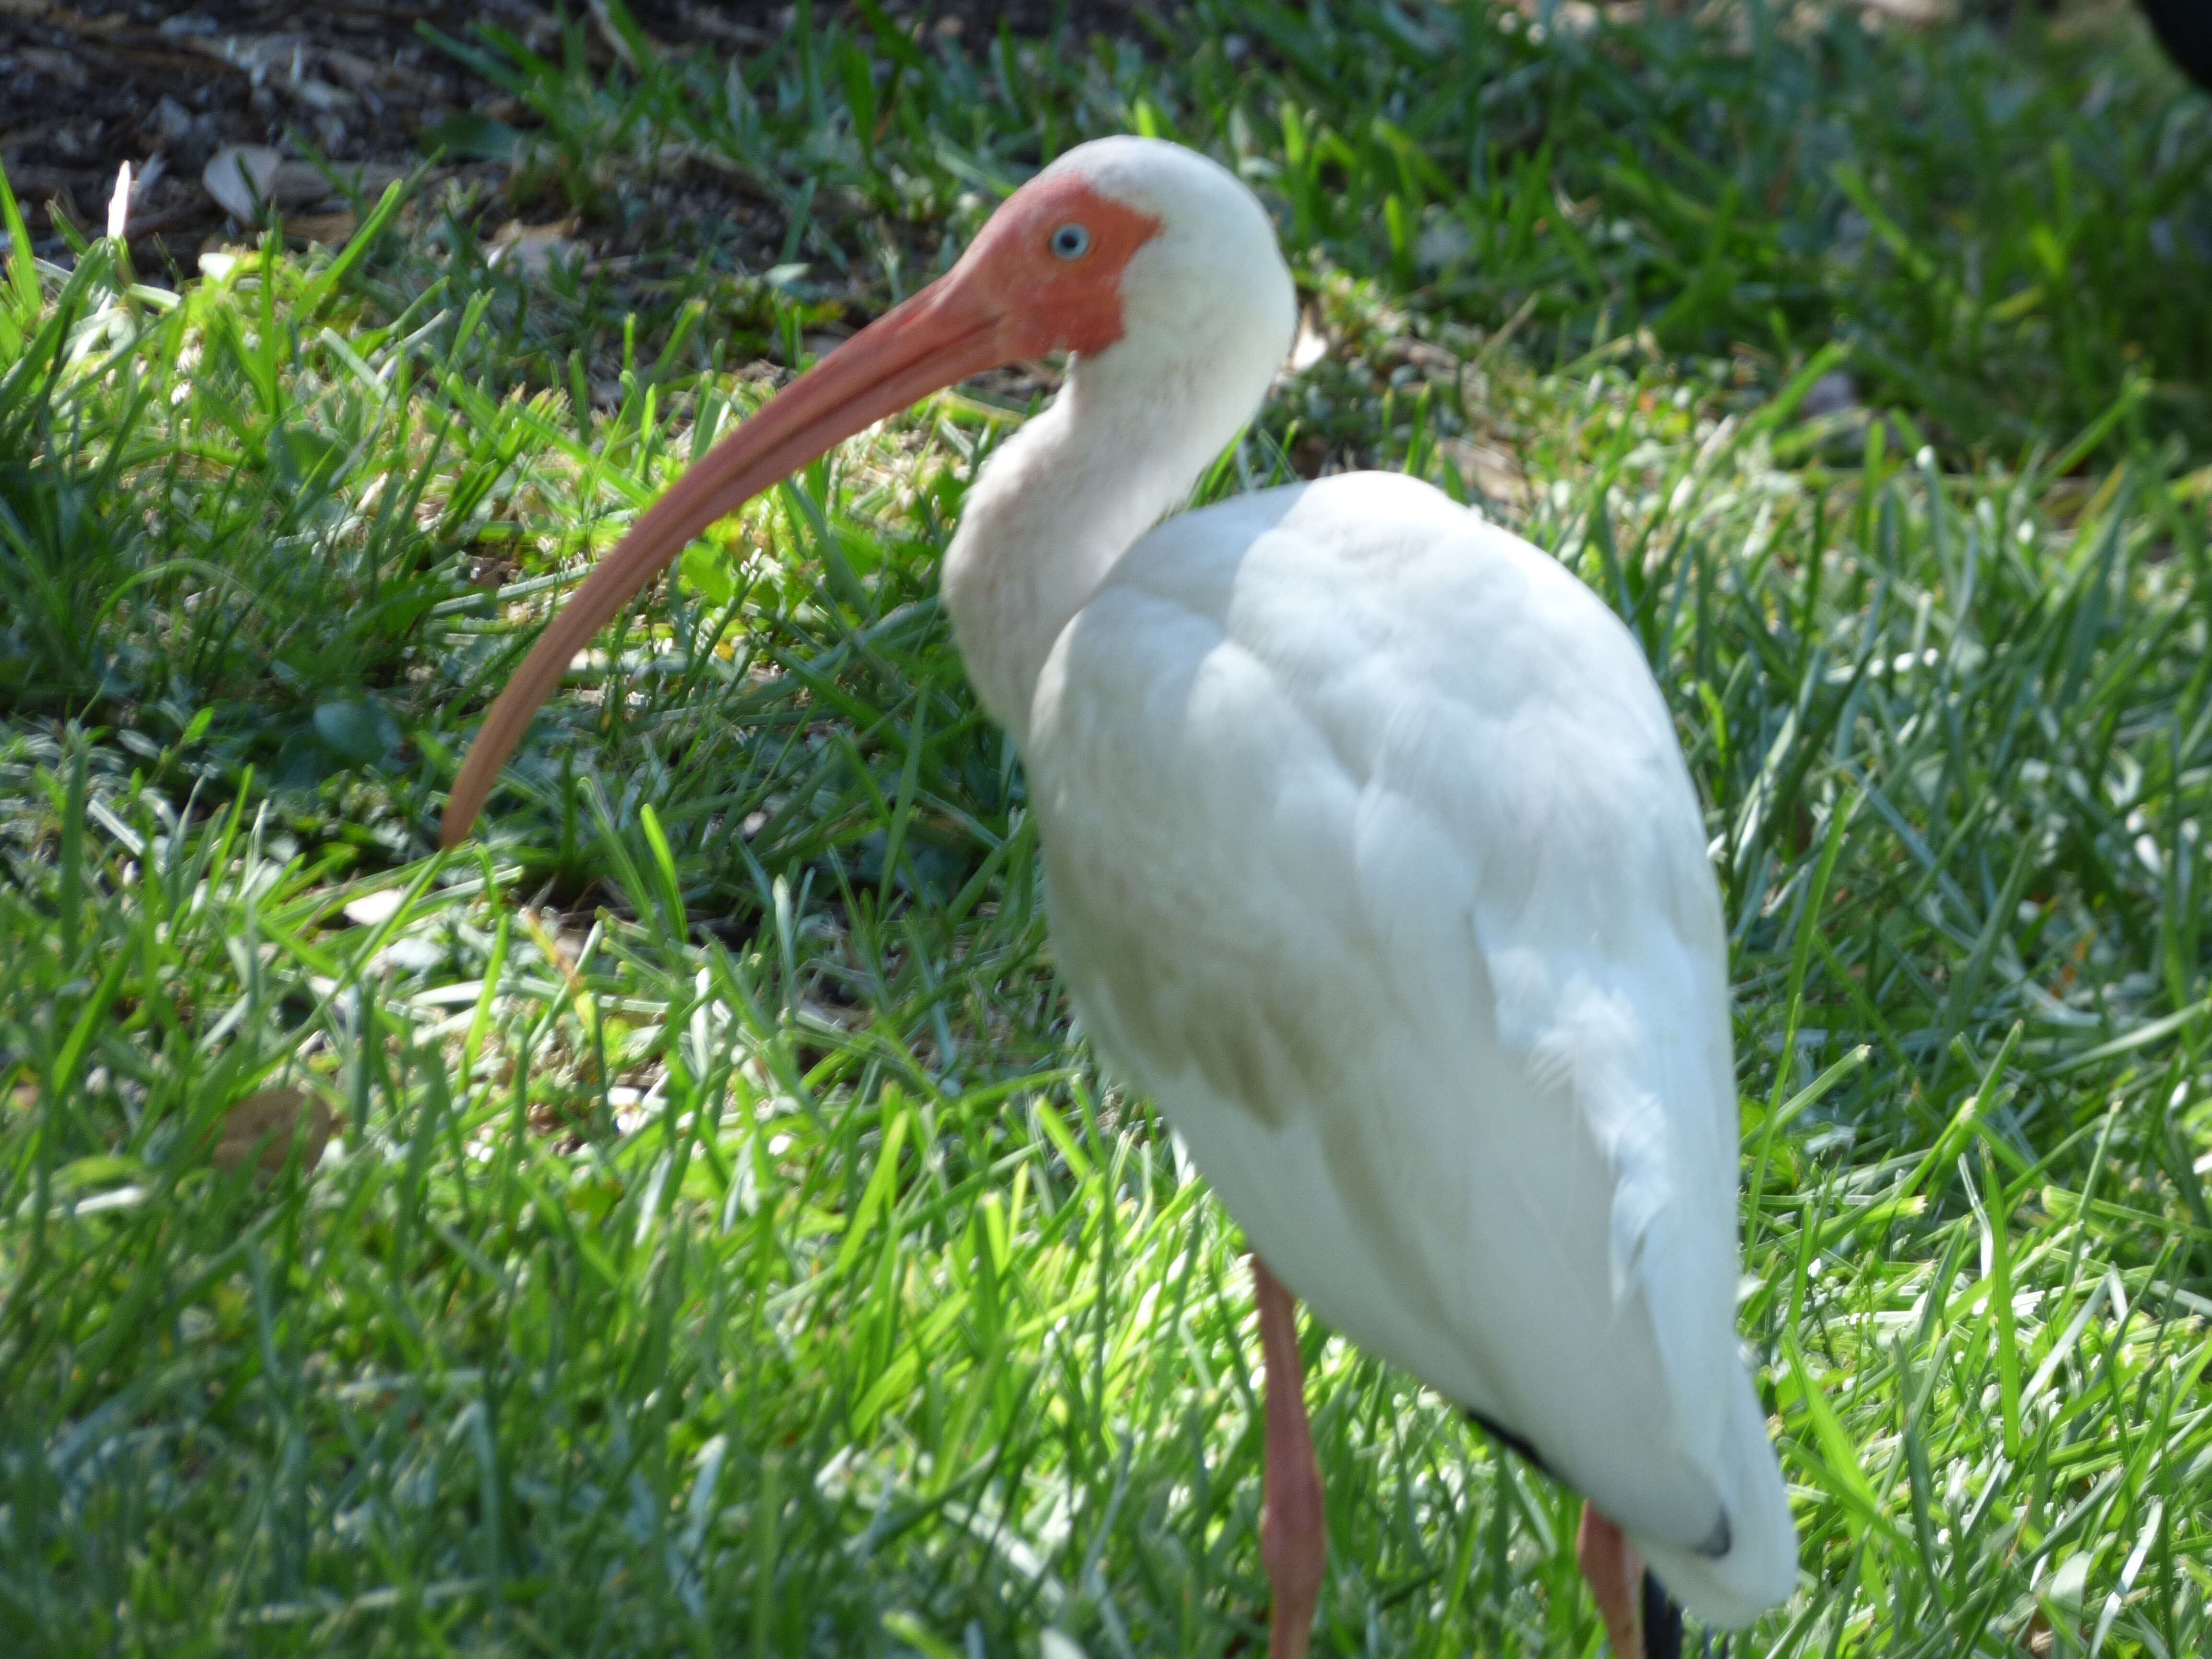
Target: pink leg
(1616, 1581)
(1293, 1531)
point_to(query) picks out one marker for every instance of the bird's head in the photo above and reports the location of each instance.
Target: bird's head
(1149, 261)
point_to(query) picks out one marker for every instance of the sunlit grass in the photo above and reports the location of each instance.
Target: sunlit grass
(727, 1246)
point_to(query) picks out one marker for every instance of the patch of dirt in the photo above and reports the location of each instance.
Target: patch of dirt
(90, 85)
(87, 86)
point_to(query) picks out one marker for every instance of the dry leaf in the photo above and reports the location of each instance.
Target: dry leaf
(1496, 474)
(323, 96)
(265, 1123)
(67, 68)
(533, 248)
(331, 228)
(242, 177)
(1312, 344)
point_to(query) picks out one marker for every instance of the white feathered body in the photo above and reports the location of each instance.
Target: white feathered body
(1372, 857)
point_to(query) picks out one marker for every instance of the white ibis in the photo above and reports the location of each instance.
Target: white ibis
(1371, 856)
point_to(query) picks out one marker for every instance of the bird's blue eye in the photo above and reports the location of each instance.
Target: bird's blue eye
(1071, 242)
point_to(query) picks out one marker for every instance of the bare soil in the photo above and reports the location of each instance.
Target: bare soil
(88, 86)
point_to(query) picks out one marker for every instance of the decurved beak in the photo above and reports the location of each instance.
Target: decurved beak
(940, 337)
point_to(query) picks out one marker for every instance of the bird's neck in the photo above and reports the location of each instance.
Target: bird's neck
(1057, 507)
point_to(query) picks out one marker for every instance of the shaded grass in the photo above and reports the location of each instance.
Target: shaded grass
(2009, 227)
(729, 1247)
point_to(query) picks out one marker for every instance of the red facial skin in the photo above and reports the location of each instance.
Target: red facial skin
(1056, 304)
(1011, 297)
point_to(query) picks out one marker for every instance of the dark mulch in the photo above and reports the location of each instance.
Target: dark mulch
(86, 87)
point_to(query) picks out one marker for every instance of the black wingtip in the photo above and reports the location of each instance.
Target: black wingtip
(1507, 1439)
(1663, 1622)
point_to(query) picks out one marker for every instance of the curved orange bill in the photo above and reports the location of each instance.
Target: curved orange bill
(942, 335)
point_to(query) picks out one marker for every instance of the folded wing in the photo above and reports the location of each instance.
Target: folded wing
(1372, 857)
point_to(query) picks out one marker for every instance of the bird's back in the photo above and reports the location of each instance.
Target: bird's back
(1373, 859)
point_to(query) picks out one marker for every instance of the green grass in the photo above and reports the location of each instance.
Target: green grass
(728, 1247)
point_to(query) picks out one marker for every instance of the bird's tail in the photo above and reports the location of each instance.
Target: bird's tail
(1756, 1568)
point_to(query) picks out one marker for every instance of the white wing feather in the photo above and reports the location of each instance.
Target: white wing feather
(1372, 857)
